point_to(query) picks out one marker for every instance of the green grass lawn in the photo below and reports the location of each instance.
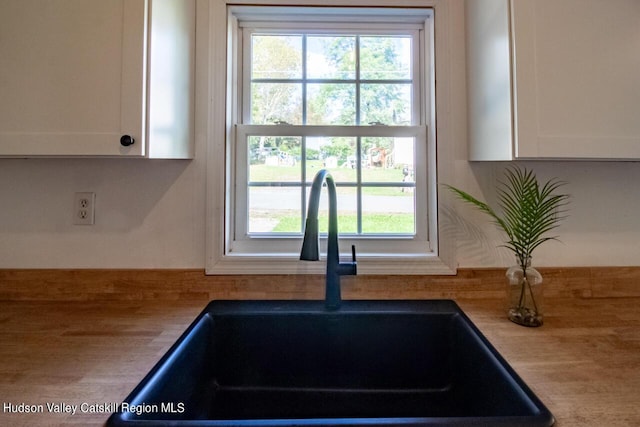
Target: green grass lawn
(261, 172)
(371, 223)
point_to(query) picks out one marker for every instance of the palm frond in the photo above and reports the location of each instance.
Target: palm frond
(529, 210)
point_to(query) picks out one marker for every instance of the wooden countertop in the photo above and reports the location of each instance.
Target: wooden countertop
(584, 363)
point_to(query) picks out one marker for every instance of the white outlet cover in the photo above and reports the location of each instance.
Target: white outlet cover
(84, 208)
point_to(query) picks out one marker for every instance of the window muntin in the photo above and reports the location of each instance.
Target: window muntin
(343, 79)
(319, 79)
(376, 201)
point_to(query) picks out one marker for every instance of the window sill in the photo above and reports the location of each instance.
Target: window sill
(290, 264)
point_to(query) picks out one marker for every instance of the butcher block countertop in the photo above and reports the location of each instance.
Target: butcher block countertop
(87, 354)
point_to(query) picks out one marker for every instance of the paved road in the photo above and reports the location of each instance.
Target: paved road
(289, 199)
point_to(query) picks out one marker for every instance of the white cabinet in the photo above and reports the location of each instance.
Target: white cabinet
(78, 75)
(553, 79)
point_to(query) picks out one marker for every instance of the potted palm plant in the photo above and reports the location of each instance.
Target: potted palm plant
(528, 212)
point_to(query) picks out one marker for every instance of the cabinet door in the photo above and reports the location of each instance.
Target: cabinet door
(577, 85)
(72, 77)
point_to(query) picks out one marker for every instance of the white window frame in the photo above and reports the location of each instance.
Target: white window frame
(228, 254)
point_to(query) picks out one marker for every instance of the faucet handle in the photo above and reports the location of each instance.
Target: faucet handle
(349, 268)
(354, 263)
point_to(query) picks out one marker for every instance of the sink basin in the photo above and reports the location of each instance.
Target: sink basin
(286, 363)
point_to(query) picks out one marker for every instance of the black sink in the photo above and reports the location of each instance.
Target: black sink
(286, 363)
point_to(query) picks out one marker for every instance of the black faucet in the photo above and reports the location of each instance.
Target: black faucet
(310, 250)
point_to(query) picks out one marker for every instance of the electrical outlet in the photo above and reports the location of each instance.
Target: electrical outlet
(84, 209)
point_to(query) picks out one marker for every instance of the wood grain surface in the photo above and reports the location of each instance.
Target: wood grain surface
(100, 285)
(90, 336)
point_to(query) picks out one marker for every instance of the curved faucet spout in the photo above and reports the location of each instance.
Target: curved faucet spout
(310, 248)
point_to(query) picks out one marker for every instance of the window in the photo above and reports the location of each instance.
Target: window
(345, 89)
(345, 100)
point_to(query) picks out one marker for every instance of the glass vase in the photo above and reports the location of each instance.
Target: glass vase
(524, 294)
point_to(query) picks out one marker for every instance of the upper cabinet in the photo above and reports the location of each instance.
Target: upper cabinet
(553, 79)
(97, 78)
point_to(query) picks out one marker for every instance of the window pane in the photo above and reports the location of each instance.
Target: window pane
(331, 104)
(388, 104)
(385, 58)
(274, 159)
(337, 155)
(275, 209)
(388, 159)
(276, 57)
(388, 210)
(347, 210)
(273, 103)
(331, 57)
(404, 158)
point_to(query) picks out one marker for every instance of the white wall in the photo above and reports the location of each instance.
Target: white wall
(148, 213)
(151, 214)
(602, 229)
